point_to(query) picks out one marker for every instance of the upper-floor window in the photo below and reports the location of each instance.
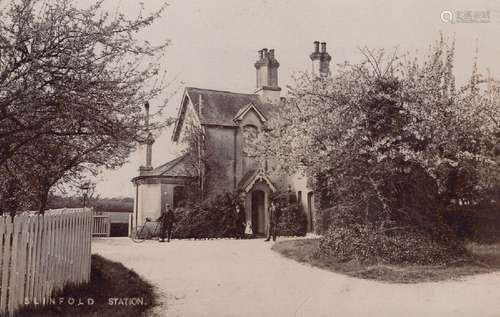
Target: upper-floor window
(250, 134)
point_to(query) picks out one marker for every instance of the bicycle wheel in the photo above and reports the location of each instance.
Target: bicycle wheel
(138, 235)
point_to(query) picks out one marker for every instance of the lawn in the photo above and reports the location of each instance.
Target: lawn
(486, 259)
(114, 291)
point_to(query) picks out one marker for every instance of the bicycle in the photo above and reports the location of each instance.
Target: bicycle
(149, 230)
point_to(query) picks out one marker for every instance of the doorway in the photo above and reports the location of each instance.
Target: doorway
(310, 206)
(258, 211)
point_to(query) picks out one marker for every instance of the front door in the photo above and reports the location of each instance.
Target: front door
(258, 211)
(310, 204)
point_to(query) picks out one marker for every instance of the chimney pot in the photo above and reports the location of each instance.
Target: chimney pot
(316, 46)
(267, 76)
(323, 47)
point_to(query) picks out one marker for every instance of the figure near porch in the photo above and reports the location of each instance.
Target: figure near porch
(273, 221)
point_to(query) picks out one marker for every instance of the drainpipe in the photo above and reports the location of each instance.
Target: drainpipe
(201, 161)
(136, 204)
(235, 157)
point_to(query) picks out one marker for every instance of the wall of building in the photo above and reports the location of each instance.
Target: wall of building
(298, 184)
(225, 150)
(220, 176)
(190, 120)
(152, 197)
(246, 162)
(148, 202)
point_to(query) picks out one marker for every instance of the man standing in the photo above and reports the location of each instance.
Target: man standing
(166, 220)
(240, 222)
(273, 221)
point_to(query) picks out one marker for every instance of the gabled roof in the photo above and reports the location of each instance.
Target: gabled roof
(243, 111)
(177, 167)
(251, 177)
(219, 107)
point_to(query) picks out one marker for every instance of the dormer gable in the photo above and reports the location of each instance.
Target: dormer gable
(243, 112)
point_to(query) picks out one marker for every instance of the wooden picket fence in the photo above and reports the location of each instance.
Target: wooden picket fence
(101, 226)
(40, 254)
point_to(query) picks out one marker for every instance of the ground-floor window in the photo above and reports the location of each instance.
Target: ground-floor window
(179, 196)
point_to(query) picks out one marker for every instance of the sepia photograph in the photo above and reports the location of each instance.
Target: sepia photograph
(247, 158)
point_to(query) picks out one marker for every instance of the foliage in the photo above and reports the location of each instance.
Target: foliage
(483, 259)
(292, 220)
(350, 239)
(72, 82)
(391, 137)
(475, 222)
(197, 156)
(118, 204)
(212, 219)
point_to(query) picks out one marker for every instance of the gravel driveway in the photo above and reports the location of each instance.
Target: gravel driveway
(218, 278)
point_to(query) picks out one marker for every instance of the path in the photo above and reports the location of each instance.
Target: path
(219, 278)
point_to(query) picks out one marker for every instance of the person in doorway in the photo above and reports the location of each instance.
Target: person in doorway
(273, 221)
(166, 220)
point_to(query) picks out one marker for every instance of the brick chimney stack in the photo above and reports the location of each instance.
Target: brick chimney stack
(267, 76)
(320, 60)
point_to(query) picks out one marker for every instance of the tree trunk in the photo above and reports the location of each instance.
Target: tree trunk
(43, 198)
(43, 195)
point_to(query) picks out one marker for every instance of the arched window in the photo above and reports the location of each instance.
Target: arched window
(250, 134)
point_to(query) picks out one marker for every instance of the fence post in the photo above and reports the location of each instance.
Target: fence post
(40, 254)
(7, 251)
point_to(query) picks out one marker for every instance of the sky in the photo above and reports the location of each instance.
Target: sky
(214, 44)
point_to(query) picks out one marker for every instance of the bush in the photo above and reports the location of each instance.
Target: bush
(349, 238)
(217, 218)
(192, 222)
(477, 222)
(213, 219)
(292, 221)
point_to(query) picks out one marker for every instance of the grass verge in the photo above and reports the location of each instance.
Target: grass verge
(486, 259)
(114, 291)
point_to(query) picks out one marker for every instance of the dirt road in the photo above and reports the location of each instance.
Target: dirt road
(218, 278)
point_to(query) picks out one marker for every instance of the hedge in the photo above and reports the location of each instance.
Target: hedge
(218, 219)
(351, 239)
(214, 219)
(292, 221)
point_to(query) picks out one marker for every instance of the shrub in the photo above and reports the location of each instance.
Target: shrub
(192, 221)
(476, 222)
(212, 219)
(292, 220)
(349, 238)
(217, 218)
